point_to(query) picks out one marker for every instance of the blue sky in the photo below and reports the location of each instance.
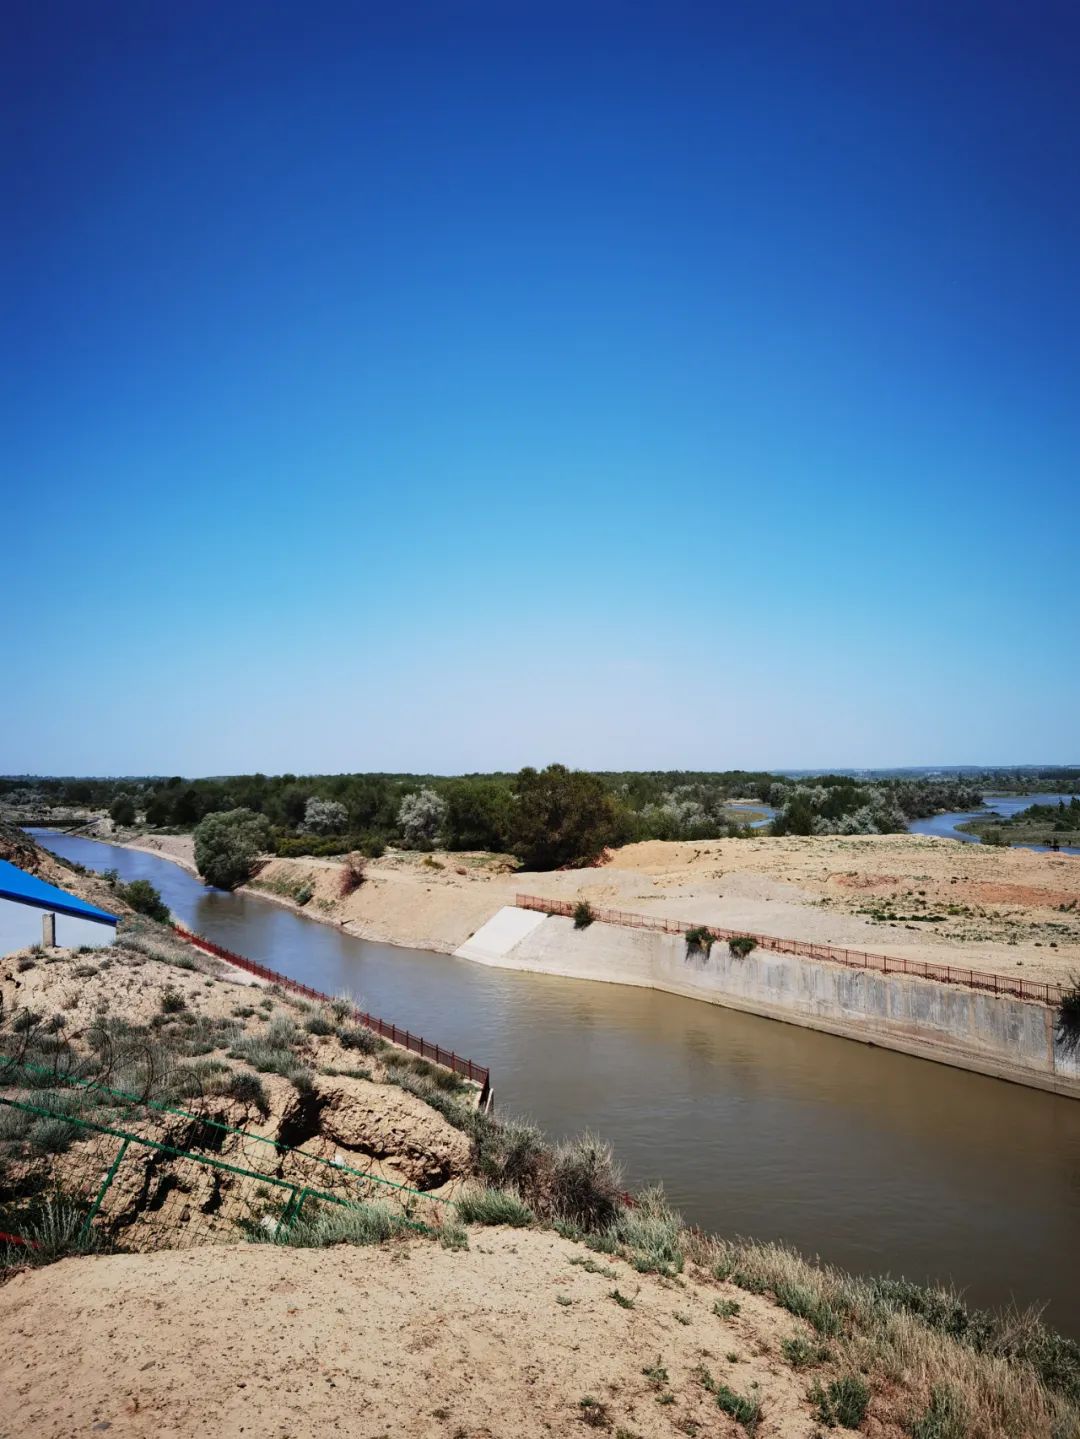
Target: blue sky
(635, 385)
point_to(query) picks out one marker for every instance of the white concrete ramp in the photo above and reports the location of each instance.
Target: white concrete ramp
(493, 941)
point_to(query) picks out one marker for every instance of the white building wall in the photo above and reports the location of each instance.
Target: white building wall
(20, 927)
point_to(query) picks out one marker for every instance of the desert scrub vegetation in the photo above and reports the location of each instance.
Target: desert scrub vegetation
(1006, 1373)
(842, 1402)
(583, 914)
(345, 1224)
(740, 945)
(480, 1204)
(699, 940)
(1067, 1027)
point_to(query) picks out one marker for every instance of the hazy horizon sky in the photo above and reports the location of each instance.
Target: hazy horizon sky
(633, 385)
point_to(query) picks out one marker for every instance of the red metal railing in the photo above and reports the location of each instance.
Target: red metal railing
(435, 1052)
(853, 958)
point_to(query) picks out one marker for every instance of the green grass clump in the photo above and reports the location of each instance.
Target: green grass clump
(726, 1308)
(266, 1058)
(797, 1299)
(622, 1300)
(650, 1234)
(801, 1353)
(742, 1408)
(319, 1025)
(844, 1402)
(172, 1002)
(483, 1205)
(944, 1417)
(52, 1136)
(583, 914)
(247, 1088)
(594, 1412)
(353, 1224)
(56, 1229)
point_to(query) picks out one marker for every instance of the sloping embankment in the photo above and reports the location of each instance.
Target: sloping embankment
(991, 1034)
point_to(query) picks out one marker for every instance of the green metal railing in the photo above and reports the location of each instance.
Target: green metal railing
(140, 1192)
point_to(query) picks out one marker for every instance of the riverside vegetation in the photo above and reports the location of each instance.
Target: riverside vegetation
(544, 819)
(164, 1020)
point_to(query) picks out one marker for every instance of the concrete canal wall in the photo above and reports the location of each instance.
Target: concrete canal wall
(990, 1034)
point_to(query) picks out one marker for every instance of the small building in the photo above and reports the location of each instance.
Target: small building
(35, 912)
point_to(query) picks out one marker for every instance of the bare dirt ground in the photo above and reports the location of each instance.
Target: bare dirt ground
(905, 895)
(503, 1340)
(180, 848)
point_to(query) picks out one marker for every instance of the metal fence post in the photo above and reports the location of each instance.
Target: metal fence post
(110, 1176)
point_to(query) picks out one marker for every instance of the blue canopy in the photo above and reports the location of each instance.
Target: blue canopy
(23, 888)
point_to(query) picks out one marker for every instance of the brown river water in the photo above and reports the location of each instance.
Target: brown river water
(876, 1161)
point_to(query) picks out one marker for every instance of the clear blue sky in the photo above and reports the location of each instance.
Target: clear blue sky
(459, 386)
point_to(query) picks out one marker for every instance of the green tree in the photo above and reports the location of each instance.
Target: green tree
(144, 899)
(122, 810)
(477, 814)
(561, 817)
(226, 846)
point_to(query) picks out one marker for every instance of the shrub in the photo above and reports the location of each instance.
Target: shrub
(353, 874)
(585, 1183)
(319, 1025)
(699, 939)
(14, 1123)
(122, 810)
(248, 1089)
(740, 945)
(52, 1136)
(25, 1020)
(483, 1205)
(357, 1036)
(172, 1003)
(583, 914)
(226, 845)
(514, 1155)
(844, 1402)
(58, 1228)
(1068, 1018)
(143, 898)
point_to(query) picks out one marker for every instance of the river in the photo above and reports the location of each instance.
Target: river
(945, 825)
(874, 1160)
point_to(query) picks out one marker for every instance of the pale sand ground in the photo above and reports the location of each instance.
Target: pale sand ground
(1012, 909)
(1011, 905)
(409, 1340)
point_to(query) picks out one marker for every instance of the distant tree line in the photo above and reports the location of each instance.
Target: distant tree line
(545, 818)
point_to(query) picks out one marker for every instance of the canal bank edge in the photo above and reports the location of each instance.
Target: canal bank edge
(994, 1035)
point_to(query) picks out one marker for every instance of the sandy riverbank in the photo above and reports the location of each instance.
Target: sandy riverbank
(909, 896)
(913, 896)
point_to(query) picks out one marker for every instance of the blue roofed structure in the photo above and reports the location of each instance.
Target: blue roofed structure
(32, 912)
(22, 888)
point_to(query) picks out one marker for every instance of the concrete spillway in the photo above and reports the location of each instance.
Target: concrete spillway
(991, 1034)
